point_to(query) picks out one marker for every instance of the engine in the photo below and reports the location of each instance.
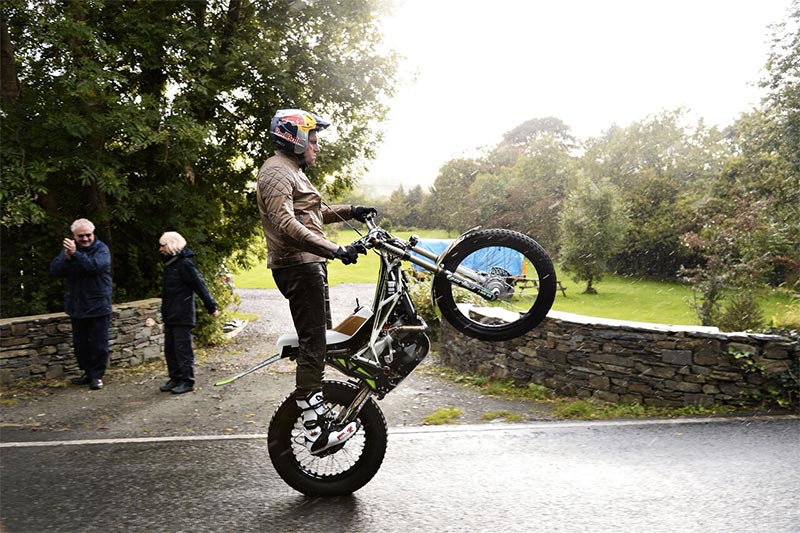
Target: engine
(402, 351)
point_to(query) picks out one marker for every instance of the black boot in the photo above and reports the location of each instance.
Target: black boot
(183, 386)
(83, 380)
(169, 385)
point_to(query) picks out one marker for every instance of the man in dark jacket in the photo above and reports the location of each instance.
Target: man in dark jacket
(182, 280)
(85, 262)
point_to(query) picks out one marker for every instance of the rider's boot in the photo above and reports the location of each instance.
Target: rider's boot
(318, 434)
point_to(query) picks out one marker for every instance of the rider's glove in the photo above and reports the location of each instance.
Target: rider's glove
(349, 254)
(360, 213)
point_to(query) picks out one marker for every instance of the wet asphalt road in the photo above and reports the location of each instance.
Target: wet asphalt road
(711, 476)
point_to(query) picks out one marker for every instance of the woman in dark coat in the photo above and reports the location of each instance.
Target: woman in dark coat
(181, 281)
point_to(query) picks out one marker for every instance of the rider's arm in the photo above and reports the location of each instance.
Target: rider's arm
(276, 194)
(336, 213)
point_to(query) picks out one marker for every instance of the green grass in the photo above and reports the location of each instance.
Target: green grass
(626, 298)
(439, 417)
(506, 415)
(564, 407)
(617, 297)
(589, 409)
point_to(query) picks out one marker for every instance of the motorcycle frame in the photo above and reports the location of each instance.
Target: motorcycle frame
(358, 357)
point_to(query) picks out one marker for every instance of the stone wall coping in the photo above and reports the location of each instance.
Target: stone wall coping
(589, 320)
(33, 318)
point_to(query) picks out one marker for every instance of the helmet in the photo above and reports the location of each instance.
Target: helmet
(289, 129)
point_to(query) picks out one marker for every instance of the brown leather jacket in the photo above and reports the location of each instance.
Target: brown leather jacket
(292, 214)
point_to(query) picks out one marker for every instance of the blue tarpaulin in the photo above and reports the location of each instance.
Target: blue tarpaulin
(482, 259)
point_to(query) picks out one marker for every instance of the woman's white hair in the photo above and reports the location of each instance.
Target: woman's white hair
(81, 223)
(173, 241)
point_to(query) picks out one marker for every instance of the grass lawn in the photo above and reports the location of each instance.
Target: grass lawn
(617, 297)
(629, 299)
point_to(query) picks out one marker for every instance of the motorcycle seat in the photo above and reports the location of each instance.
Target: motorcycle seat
(341, 333)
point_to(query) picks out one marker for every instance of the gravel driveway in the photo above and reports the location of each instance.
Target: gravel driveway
(273, 309)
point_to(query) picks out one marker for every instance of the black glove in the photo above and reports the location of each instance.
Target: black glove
(349, 254)
(360, 213)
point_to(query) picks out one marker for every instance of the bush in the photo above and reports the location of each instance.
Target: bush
(209, 329)
(741, 313)
(419, 289)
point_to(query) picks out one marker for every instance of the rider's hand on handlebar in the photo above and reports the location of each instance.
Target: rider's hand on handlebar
(349, 254)
(360, 213)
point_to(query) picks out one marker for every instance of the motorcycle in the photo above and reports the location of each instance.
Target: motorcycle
(511, 283)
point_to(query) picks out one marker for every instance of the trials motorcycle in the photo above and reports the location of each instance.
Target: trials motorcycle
(377, 346)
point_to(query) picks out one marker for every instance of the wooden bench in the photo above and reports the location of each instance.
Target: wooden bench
(523, 283)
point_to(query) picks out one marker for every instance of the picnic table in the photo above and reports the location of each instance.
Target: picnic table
(523, 283)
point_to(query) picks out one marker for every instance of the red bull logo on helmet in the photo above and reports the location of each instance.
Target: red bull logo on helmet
(304, 121)
(281, 132)
(292, 126)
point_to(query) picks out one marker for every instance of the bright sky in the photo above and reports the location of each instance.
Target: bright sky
(483, 67)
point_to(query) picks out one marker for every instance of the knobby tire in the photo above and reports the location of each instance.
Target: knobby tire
(342, 472)
(534, 310)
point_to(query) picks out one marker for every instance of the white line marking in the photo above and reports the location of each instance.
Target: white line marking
(410, 430)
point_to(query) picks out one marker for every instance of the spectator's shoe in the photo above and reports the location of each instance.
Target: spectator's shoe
(169, 385)
(184, 386)
(96, 384)
(82, 380)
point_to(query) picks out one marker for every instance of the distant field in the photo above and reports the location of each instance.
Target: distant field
(618, 297)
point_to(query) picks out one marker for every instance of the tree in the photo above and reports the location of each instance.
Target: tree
(662, 166)
(452, 189)
(150, 115)
(659, 213)
(521, 139)
(396, 208)
(782, 82)
(593, 224)
(732, 245)
(752, 236)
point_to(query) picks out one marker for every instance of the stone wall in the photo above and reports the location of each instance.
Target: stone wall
(627, 362)
(41, 345)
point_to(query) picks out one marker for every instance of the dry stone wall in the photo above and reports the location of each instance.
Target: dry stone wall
(41, 345)
(627, 362)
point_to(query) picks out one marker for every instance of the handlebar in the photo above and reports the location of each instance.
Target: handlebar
(369, 220)
(370, 239)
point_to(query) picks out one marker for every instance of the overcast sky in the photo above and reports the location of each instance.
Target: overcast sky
(475, 69)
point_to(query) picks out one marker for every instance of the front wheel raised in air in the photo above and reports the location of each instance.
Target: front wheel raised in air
(511, 267)
(343, 470)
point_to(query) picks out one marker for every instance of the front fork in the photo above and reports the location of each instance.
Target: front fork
(350, 413)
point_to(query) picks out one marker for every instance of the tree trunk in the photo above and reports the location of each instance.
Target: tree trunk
(589, 288)
(9, 83)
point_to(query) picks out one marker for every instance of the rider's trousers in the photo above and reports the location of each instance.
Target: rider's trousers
(306, 288)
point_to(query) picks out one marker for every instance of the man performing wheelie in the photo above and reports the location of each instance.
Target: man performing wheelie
(292, 216)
